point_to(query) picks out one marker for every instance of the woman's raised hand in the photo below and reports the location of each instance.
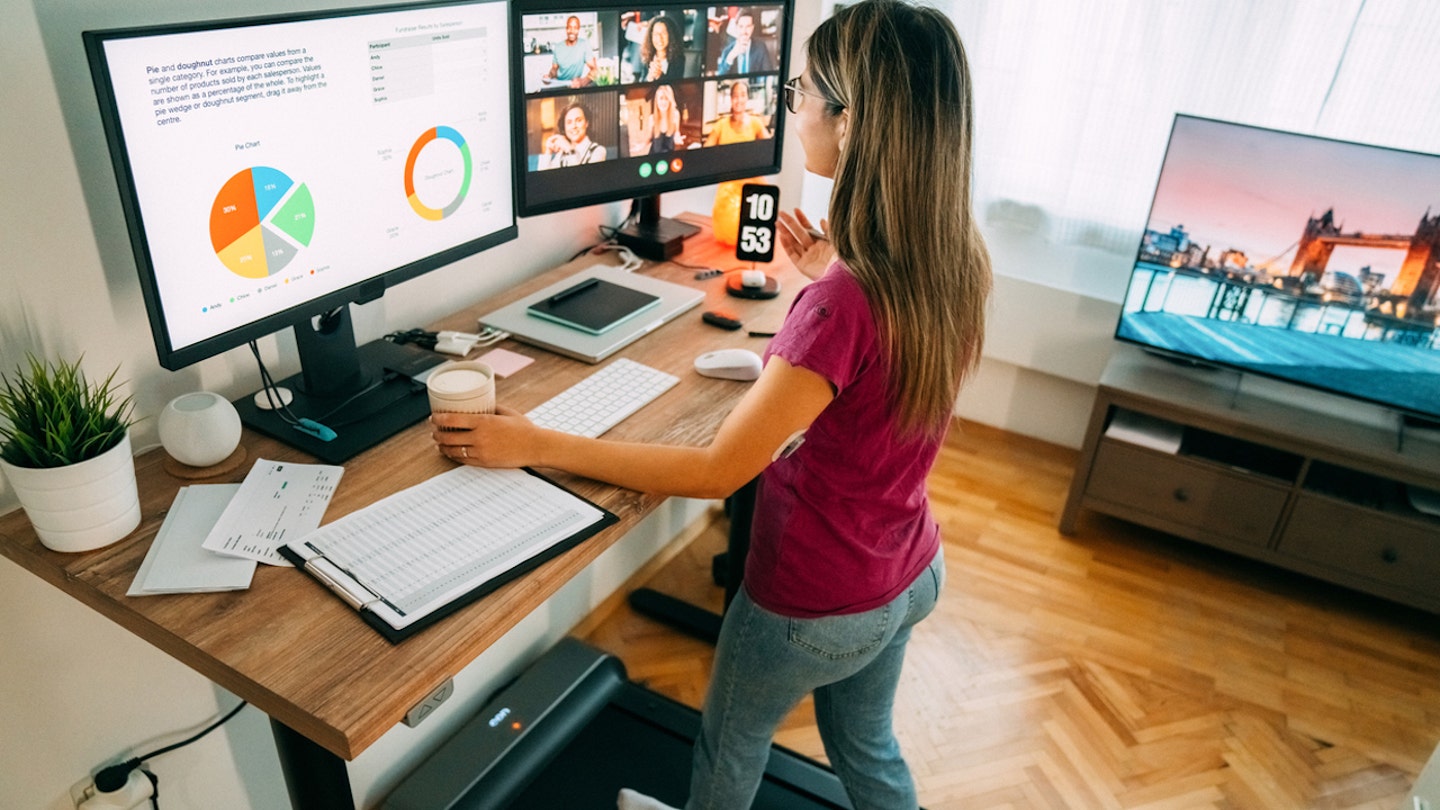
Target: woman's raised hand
(807, 246)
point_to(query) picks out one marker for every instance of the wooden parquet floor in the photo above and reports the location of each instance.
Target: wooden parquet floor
(1119, 668)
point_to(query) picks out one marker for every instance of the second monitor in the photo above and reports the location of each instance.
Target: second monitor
(617, 101)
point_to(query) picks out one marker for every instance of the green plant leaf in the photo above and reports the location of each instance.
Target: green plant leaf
(52, 416)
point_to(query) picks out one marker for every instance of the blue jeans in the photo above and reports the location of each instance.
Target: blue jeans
(766, 663)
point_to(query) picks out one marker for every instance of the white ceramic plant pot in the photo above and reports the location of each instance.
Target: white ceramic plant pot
(83, 506)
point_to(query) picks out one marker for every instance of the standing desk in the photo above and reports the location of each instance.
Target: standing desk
(330, 684)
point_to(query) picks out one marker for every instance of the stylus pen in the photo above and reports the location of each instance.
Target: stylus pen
(573, 291)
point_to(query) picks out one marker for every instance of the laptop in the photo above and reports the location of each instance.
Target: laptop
(569, 341)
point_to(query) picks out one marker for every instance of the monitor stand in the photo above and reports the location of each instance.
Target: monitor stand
(652, 236)
(365, 394)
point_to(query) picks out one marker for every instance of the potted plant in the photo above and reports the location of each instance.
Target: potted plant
(65, 449)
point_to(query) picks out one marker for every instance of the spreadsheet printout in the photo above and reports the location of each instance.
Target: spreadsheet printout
(424, 547)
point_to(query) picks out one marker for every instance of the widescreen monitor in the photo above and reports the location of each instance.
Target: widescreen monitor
(617, 102)
(272, 170)
(1300, 258)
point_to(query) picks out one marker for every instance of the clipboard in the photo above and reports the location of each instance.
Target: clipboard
(593, 305)
(409, 560)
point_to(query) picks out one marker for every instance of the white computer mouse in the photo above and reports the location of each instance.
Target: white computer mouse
(729, 364)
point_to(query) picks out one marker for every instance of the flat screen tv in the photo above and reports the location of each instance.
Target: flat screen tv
(1295, 257)
(615, 101)
(274, 170)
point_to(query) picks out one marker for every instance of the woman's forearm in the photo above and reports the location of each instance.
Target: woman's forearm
(694, 472)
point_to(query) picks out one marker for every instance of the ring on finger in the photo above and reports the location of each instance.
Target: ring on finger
(464, 452)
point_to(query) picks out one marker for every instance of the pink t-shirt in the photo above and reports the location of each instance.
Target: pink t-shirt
(843, 524)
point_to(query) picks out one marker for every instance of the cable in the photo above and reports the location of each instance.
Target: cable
(281, 408)
(113, 778)
(278, 405)
(419, 337)
(384, 378)
(448, 341)
(629, 262)
(629, 218)
(489, 336)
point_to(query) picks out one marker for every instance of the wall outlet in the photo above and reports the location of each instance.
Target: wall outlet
(82, 790)
(137, 789)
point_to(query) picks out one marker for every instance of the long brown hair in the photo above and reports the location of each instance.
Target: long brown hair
(900, 212)
(674, 48)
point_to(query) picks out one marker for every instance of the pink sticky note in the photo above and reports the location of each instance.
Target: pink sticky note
(505, 362)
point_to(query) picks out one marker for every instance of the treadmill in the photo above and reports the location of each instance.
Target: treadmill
(572, 730)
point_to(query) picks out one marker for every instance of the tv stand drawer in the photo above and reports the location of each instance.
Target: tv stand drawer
(1181, 492)
(1358, 542)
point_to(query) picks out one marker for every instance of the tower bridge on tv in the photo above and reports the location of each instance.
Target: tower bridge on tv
(1419, 275)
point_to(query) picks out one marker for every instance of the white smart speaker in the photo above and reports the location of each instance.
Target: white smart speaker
(200, 429)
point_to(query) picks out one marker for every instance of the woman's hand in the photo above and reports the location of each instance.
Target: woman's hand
(502, 439)
(808, 247)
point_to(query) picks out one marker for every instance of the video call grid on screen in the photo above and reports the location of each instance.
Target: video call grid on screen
(631, 98)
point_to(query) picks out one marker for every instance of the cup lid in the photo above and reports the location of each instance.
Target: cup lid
(458, 381)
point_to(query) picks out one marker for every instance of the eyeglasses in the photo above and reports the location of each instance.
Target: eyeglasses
(793, 89)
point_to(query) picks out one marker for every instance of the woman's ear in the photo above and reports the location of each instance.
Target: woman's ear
(842, 127)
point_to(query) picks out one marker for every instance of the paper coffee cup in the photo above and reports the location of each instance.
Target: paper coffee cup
(462, 386)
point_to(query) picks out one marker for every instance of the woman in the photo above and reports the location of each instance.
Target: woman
(665, 123)
(845, 556)
(739, 126)
(572, 145)
(663, 51)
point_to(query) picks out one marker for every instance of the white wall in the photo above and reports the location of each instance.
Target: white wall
(77, 692)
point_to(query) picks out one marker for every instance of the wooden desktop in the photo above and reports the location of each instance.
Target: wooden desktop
(330, 684)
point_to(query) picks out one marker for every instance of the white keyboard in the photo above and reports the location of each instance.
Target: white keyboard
(602, 400)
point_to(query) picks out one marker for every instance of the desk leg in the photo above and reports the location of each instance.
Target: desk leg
(688, 618)
(742, 512)
(316, 778)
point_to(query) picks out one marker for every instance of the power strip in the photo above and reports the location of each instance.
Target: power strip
(136, 791)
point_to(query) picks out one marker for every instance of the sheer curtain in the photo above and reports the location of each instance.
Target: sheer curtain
(1075, 98)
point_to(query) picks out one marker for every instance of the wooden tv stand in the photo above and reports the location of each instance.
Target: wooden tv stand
(1315, 493)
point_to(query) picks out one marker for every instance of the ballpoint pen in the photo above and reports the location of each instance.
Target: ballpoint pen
(571, 292)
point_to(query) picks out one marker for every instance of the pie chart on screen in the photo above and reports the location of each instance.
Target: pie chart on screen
(260, 221)
(437, 173)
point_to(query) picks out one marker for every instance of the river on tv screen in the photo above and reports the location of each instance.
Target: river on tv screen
(1302, 258)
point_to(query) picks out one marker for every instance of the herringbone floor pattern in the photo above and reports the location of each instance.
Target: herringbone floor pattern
(1120, 668)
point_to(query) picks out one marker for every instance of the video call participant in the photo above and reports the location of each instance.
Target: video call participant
(572, 145)
(665, 122)
(663, 51)
(571, 61)
(739, 126)
(845, 551)
(745, 54)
